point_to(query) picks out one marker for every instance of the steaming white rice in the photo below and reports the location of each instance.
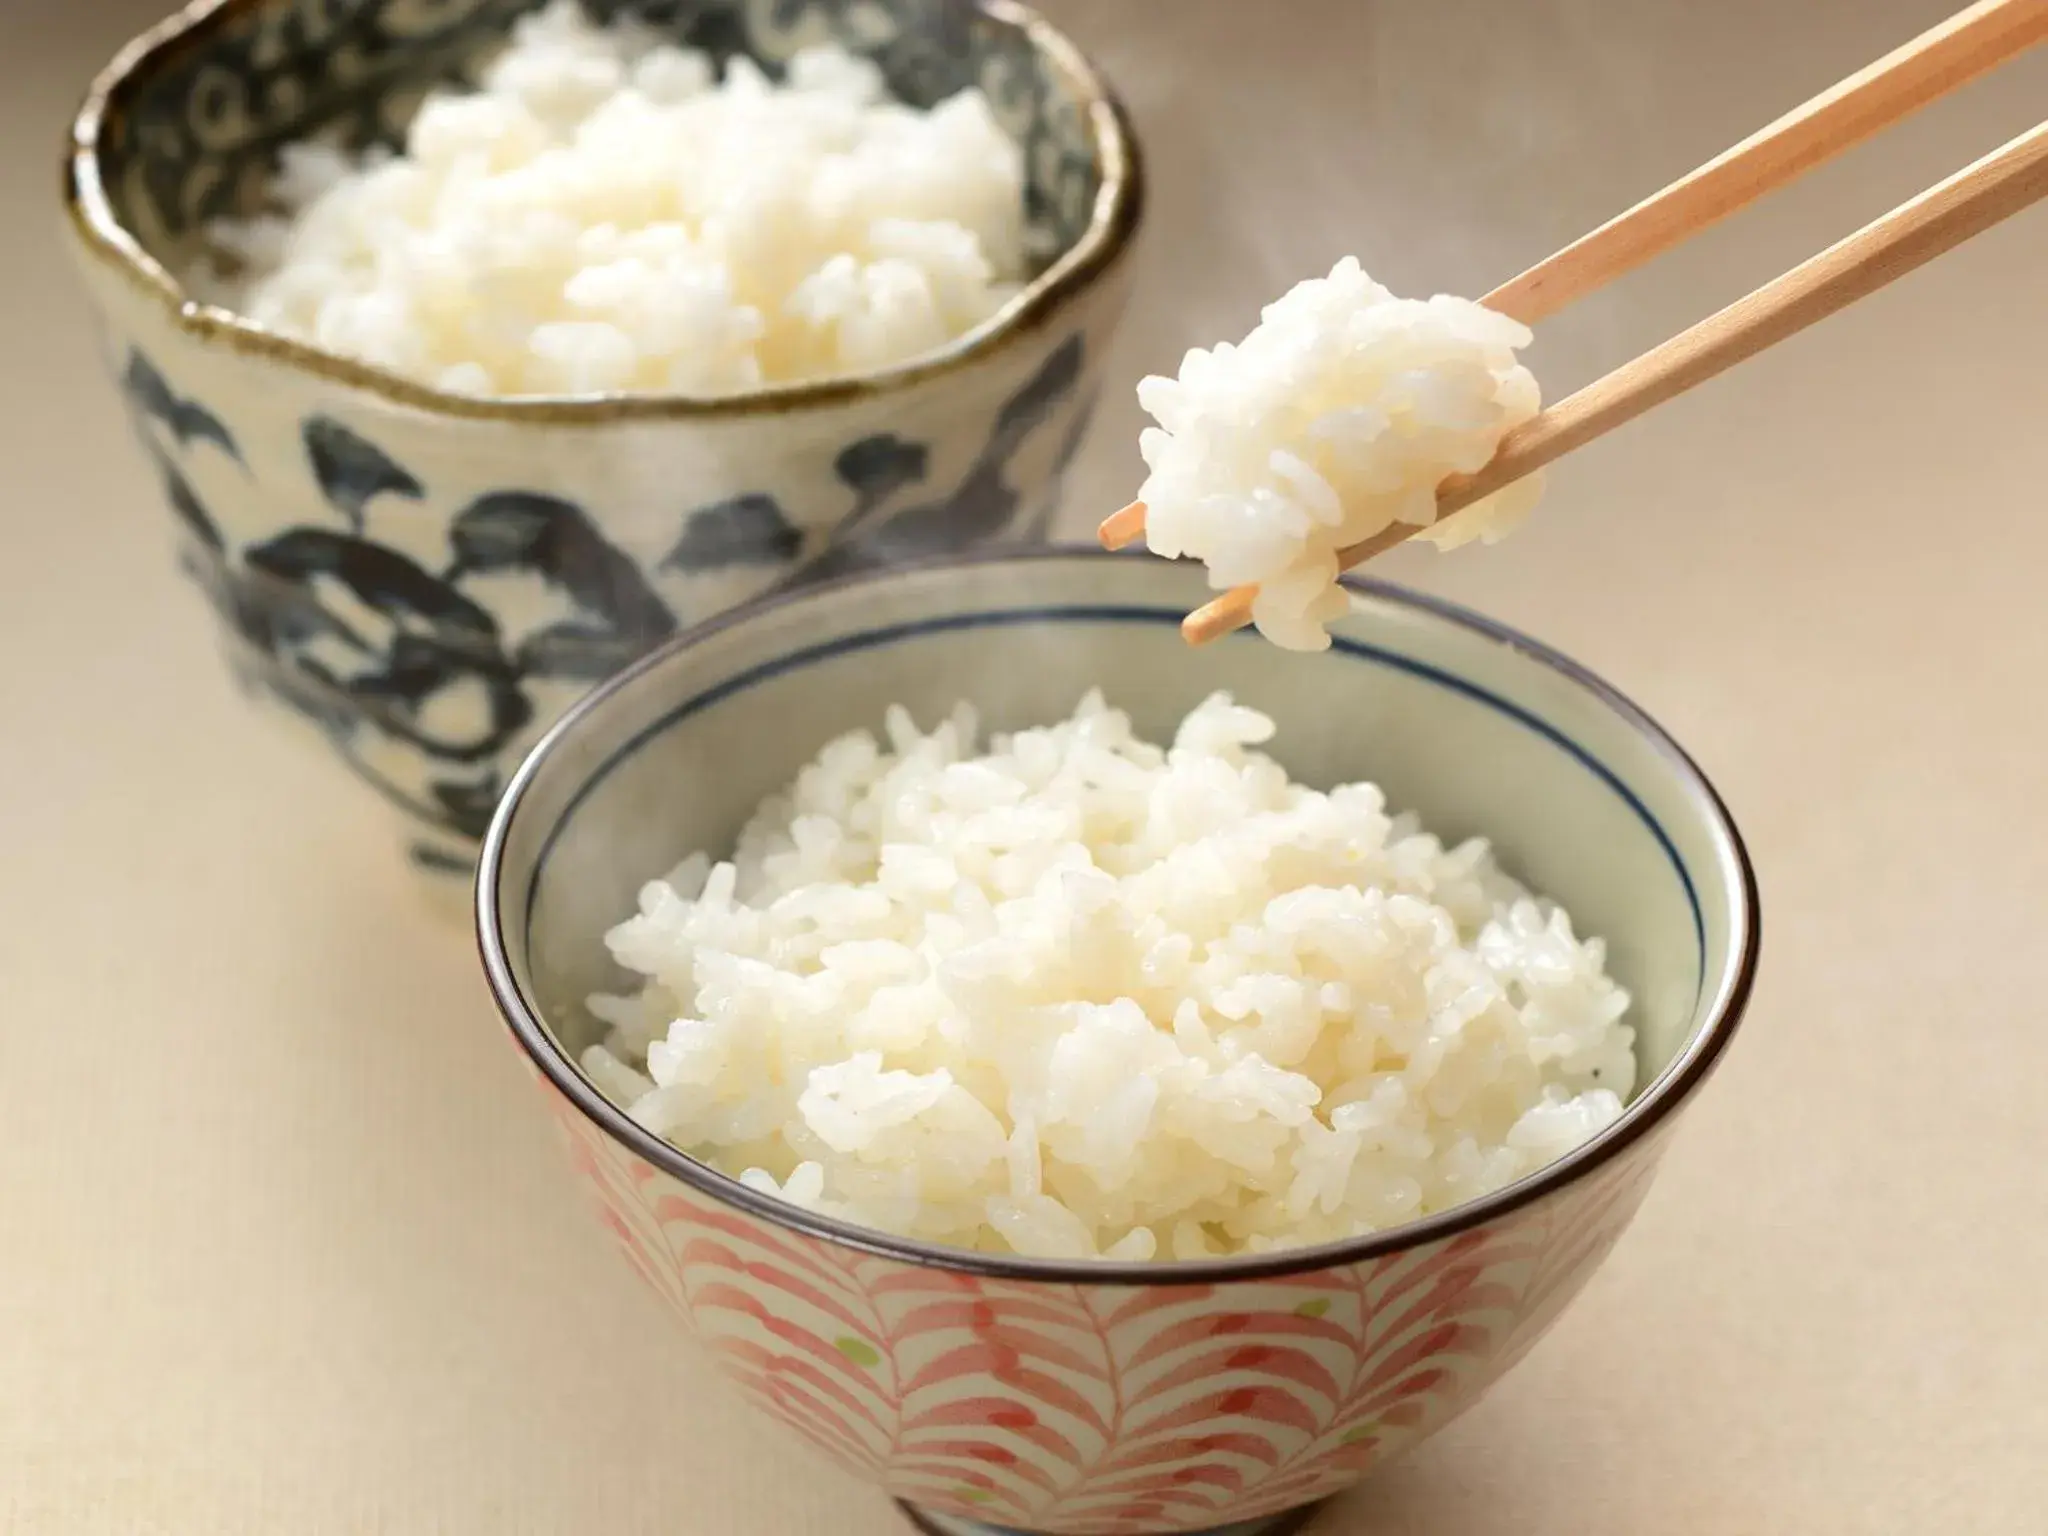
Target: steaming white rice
(1078, 996)
(1339, 415)
(605, 214)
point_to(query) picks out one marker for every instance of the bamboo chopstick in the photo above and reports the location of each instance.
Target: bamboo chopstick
(1967, 203)
(1941, 59)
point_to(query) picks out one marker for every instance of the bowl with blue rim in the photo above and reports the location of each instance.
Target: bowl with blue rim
(423, 580)
(991, 1392)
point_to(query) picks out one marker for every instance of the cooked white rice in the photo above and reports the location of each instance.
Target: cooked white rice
(1082, 997)
(1339, 415)
(605, 215)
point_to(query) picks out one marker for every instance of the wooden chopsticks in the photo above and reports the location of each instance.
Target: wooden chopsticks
(1939, 60)
(1966, 204)
(1942, 59)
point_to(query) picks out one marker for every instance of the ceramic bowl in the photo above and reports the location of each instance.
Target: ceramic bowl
(427, 579)
(1115, 1399)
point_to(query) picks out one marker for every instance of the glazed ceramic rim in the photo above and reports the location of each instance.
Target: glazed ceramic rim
(1112, 224)
(1649, 1109)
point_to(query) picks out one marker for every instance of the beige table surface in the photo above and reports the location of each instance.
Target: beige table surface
(286, 1248)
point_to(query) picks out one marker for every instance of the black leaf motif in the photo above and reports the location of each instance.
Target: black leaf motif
(151, 394)
(186, 504)
(984, 504)
(1041, 525)
(382, 579)
(1077, 432)
(749, 529)
(314, 697)
(398, 700)
(352, 470)
(1040, 395)
(281, 612)
(440, 641)
(418, 670)
(574, 652)
(875, 469)
(545, 536)
(242, 610)
(439, 861)
(980, 509)
(205, 560)
(469, 804)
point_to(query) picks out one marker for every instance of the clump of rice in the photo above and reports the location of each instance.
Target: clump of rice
(605, 214)
(1338, 416)
(1078, 996)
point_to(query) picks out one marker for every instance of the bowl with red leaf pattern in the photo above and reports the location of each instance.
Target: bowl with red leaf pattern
(996, 1393)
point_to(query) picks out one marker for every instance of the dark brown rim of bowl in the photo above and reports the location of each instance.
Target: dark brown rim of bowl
(1119, 208)
(1651, 1106)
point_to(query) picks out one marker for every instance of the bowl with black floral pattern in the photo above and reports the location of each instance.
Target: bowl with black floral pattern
(427, 580)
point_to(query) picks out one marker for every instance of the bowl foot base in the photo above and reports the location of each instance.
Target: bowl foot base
(1285, 1523)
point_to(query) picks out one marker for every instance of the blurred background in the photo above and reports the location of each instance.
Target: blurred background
(271, 1262)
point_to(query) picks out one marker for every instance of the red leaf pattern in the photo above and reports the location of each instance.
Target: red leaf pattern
(1104, 1410)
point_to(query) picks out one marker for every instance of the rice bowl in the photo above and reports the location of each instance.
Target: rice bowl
(607, 210)
(577, 884)
(619, 517)
(1095, 1396)
(1076, 996)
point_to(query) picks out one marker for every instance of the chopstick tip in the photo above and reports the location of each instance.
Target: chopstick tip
(1218, 617)
(1123, 527)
